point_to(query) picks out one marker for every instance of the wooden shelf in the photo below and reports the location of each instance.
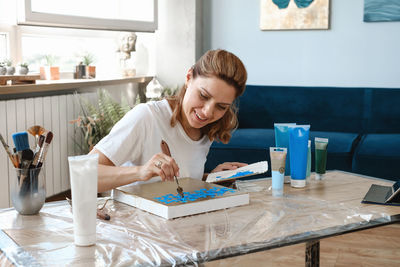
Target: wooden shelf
(45, 86)
(18, 79)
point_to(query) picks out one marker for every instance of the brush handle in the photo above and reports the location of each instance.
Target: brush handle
(42, 155)
(37, 151)
(8, 151)
(165, 148)
(166, 151)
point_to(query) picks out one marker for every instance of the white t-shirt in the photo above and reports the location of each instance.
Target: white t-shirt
(136, 138)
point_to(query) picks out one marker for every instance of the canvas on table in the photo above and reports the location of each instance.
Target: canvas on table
(162, 199)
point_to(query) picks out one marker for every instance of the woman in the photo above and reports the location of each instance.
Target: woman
(203, 111)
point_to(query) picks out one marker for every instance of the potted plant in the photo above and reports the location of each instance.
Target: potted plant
(96, 121)
(49, 71)
(10, 67)
(23, 68)
(88, 59)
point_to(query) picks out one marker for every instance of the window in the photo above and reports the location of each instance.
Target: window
(68, 46)
(120, 15)
(3, 46)
(69, 43)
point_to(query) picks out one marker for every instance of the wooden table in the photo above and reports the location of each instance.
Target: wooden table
(322, 209)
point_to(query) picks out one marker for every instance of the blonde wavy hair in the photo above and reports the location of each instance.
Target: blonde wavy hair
(223, 65)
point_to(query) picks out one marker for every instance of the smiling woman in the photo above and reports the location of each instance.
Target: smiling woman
(203, 111)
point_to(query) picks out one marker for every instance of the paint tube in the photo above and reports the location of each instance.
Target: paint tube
(282, 140)
(298, 143)
(321, 145)
(83, 172)
(278, 161)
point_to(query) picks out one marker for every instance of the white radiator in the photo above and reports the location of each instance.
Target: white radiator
(54, 114)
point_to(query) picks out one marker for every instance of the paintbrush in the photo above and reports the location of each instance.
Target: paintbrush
(166, 151)
(99, 212)
(8, 151)
(43, 151)
(37, 150)
(26, 159)
(36, 131)
(21, 142)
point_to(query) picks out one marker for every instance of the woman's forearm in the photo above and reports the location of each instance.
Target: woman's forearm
(110, 177)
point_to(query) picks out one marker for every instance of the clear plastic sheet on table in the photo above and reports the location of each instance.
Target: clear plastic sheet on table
(135, 237)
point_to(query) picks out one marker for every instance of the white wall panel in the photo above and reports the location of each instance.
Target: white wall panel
(4, 160)
(47, 124)
(11, 128)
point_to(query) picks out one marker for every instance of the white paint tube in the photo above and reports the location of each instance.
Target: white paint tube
(83, 174)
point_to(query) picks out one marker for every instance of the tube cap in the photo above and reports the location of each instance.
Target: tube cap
(298, 183)
(85, 240)
(277, 192)
(319, 176)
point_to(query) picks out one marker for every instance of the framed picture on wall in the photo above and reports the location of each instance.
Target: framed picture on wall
(294, 14)
(381, 10)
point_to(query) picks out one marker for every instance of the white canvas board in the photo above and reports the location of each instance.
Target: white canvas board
(144, 197)
(249, 170)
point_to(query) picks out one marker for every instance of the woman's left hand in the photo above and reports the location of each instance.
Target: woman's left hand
(229, 166)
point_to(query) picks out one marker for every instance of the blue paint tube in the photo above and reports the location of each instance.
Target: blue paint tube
(282, 140)
(298, 143)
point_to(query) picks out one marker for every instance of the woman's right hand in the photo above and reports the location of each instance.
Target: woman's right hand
(160, 165)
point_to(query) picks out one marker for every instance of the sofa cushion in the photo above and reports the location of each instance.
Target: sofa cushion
(341, 147)
(378, 155)
(246, 145)
(324, 108)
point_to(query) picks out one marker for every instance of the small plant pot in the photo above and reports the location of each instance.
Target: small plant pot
(3, 70)
(80, 72)
(91, 72)
(23, 70)
(10, 70)
(49, 73)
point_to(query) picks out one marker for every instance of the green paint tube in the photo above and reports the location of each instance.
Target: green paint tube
(321, 145)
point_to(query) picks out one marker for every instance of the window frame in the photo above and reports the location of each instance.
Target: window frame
(27, 17)
(7, 44)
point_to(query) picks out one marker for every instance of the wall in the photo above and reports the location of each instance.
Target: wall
(179, 30)
(351, 53)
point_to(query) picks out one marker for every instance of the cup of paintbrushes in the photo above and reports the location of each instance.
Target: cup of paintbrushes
(28, 190)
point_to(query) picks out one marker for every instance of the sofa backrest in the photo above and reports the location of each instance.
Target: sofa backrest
(333, 109)
(383, 110)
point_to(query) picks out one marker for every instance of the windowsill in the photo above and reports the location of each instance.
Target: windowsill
(68, 84)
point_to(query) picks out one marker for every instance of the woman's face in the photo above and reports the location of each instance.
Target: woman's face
(206, 100)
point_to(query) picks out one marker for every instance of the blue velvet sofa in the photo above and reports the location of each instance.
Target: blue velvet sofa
(362, 124)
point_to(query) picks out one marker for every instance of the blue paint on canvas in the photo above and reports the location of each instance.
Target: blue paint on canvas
(285, 3)
(381, 10)
(238, 174)
(281, 3)
(193, 196)
(303, 3)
